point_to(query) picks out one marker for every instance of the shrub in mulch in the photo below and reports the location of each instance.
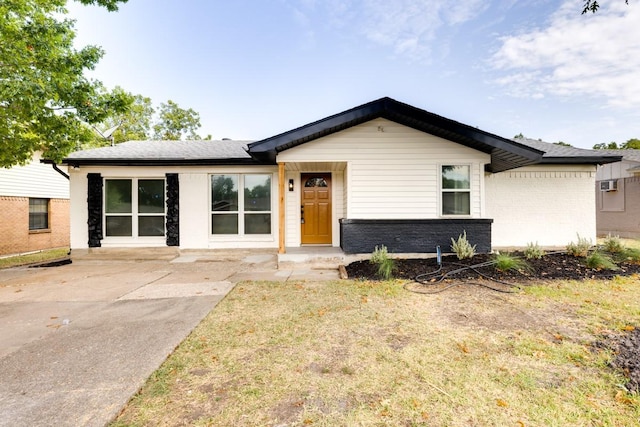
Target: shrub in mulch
(551, 266)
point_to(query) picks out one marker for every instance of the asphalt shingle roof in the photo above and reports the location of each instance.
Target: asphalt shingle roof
(631, 154)
(236, 152)
(555, 151)
(165, 151)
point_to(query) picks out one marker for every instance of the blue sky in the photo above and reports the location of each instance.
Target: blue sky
(256, 68)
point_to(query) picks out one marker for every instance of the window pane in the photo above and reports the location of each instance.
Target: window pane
(38, 214)
(257, 193)
(257, 224)
(38, 205)
(224, 193)
(118, 226)
(118, 196)
(38, 221)
(151, 196)
(457, 203)
(224, 224)
(151, 226)
(316, 182)
(456, 177)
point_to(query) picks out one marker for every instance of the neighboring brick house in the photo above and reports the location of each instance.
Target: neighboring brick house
(618, 195)
(34, 208)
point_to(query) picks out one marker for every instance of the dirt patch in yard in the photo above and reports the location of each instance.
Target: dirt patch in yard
(476, 308)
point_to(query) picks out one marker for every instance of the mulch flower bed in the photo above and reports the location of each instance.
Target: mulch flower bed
(552, 266)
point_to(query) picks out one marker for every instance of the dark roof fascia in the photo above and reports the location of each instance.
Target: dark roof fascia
(505, 153)
(588, 160)
(159, 162)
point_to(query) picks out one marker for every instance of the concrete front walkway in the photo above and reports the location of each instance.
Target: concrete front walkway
(78, 340)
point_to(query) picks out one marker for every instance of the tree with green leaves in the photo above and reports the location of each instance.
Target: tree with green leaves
(45, 99)
(593, 6)
(633, 143)
(131, 125)
(140, 122)
(604, 146)
(175, 123)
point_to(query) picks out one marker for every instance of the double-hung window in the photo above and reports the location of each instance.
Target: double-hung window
(38, 214)
(134, 207)
(456, 190)
(240, 204)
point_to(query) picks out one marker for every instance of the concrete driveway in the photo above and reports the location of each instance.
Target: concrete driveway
(78, 340)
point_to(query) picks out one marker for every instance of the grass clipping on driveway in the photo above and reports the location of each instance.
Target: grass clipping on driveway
(372, 354)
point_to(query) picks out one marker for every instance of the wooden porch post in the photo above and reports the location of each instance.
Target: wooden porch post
(281, 208)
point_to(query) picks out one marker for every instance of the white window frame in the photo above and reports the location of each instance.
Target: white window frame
(134, 214)
(455, 190)
(241, 211)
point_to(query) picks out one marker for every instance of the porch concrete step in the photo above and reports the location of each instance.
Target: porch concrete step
(328, 260)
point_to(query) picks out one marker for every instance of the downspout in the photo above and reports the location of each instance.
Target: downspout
(55, 167)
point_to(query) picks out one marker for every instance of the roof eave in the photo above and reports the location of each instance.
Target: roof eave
(588, 160)
(158, 162)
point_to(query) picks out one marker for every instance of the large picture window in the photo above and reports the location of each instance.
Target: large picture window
(134, 207)
(243, 213)
(38, 214)
(456, 190)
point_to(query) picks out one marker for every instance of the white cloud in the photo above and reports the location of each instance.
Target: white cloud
(411, 26)
(594, 55)
(408, 27)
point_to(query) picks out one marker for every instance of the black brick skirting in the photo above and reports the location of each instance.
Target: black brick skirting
(359, 236)
(94, 207)
(173, 210)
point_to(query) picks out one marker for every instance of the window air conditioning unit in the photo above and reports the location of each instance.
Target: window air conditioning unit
(609, 185)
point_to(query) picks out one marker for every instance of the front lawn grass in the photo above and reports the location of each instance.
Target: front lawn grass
(351, 353)
(34, 258)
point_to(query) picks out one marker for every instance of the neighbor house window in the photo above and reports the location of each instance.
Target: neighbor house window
(134, 207)
(38, 214)
(241, 213)
(456, 190)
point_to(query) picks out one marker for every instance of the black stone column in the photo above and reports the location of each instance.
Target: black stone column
(94, 207)
(173, 210)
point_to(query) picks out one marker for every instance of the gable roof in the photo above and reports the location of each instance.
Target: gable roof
(165, 153)
(505, 153)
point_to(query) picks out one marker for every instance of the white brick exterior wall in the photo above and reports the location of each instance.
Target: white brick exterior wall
(548, 204)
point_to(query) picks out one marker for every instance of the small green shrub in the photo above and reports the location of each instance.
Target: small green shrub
(385, 269)
(380, 257)
(613, 244)
(581, 248)
(600, 261)
(533, 251)
(629, 255)
(462, 248)
(506, 262)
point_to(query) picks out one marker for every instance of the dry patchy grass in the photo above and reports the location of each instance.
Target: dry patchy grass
(353, 353)
(35, 257)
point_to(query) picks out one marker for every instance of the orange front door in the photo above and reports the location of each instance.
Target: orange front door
(315, 209)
